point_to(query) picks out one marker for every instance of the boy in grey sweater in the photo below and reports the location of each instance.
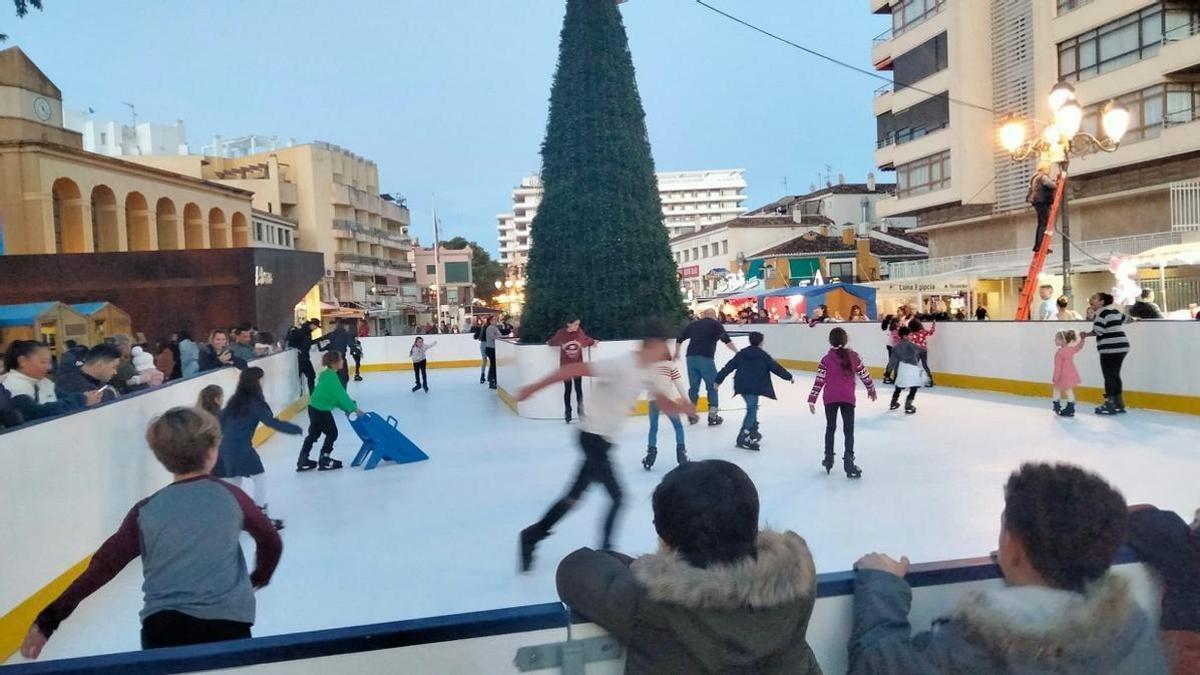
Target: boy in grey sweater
(196, 586)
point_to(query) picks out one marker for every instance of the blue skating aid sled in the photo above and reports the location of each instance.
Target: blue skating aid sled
(382, 441)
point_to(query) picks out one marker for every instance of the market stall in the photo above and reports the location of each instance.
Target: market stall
(104, 321)
(50, 322)
(839, 297)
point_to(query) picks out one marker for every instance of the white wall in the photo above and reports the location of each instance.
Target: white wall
(1163, 359)
(68, 482)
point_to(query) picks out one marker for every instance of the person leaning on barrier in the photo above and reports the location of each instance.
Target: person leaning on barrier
(719, 596)
(1061, 609)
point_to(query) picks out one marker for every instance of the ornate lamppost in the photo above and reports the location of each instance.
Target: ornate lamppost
(1060, 140)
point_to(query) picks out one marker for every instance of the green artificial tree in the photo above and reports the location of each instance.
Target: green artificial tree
(599, 249)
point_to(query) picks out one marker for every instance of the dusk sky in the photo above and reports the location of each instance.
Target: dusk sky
(449, 98)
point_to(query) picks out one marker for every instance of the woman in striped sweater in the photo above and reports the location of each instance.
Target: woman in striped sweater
(1113, 345)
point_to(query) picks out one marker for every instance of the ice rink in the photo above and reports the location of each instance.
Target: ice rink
(439, 537)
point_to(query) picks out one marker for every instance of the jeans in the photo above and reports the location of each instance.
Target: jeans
(595, 469)
(420, 373)
(319, 422)
(169, 628)
(831, 415)
(1110, 365)
(482, 358)
(675, 422)
(703, 369)
(577, 383)
(751, 417)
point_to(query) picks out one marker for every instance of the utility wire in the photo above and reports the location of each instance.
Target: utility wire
(863, 71)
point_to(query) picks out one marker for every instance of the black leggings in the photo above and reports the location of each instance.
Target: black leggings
(578, 383)
(831, 415)
(1043, 218)
(306, 369)
(319, 422)
(176, 629)
(595, 469)
(419, 371)
(925, 365)
(888, 373)
(912, 394)
(491, 359)
(1110, 365)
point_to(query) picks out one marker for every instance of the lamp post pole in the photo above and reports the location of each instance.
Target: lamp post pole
(1066, 232)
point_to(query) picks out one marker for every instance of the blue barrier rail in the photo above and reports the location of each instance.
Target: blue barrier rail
(412, 632)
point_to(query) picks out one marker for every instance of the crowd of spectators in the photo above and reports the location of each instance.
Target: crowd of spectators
(36, 384)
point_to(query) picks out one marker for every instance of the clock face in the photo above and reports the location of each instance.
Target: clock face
(41, 108)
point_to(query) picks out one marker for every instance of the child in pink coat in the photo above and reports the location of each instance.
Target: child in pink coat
(1066, 376)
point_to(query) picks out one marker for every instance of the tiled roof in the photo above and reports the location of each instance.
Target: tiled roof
(770, 222)
(813, 243)
(918, 238)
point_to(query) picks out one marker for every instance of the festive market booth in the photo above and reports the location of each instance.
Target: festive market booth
(839, 297)
(50, 322)
(1173, 271)
(104, 321)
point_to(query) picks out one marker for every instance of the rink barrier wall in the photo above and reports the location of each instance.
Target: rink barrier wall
(104, 481)
(487, 641)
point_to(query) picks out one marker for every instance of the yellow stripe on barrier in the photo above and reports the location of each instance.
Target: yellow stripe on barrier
(15, 624)
(388, 367)
(1188, 405)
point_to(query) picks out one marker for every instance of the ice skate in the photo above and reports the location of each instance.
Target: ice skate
(852, 471)
(681, 454)
(894, 405)
(648, 460)
(714, 419)
(754, 435)
(1068, 410)
(693, 419)
(425, 387)
(329, 464)
(1107, 408)
(275, 522)
(828, 462)
(910, 409)
(744, 442)
(358, 378)
(416, 387)
(305, 464)
(528, 541)
(1057, 408)
(1119, 403)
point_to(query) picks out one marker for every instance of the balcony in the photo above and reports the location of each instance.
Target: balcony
(1180, 54)
(361, 200)
(394, 211)
(366, 264)
(349, 229)
(1015, 262)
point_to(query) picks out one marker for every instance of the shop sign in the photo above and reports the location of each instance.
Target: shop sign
(689, 272)
(262, 277)
(925, 287)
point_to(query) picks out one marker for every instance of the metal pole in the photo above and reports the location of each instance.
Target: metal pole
(1066, 236)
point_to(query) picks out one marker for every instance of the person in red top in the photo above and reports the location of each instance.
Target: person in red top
(570, 341)
(920, 335)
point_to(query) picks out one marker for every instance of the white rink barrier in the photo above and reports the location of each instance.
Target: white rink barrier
(1161, 372)
(69, 481)
(453, 350)
(488, 642)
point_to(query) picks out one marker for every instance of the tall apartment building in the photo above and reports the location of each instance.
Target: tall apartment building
(690, 200)
(959, 68)
(107, 137)
(332, 195)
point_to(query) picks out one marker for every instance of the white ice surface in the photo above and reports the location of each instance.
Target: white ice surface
(439, 537)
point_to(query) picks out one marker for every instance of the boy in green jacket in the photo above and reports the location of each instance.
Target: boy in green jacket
(329, 395)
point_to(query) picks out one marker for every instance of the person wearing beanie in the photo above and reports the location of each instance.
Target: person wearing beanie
(147, 374)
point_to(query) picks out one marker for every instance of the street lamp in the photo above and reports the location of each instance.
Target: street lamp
(1062, 139)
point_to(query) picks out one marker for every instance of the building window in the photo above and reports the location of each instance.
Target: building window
(843, 270)
(1065, 6)
(725, 247)
(907, 14)
(1150, 110)
(926, 117)
(457, 272)
(430, 269)
(921, 61)
(923, 175)
(258, 232)
(704, 251)
(1127, 40)
(695, 253)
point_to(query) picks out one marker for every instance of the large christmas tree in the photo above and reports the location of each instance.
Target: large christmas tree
(599, 248)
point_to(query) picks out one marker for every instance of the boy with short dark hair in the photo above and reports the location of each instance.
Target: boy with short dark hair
(720, 595)
(1061, 611)
(196, 586)
(754, 368)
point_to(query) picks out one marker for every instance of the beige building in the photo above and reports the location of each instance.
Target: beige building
(454, 282)
(57, 198)
(333, 197)
(961, 67)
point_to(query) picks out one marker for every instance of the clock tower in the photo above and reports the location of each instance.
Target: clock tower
(30, 104)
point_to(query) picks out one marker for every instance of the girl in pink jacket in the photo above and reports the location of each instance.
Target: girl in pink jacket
(1066, 376)
(836, 375)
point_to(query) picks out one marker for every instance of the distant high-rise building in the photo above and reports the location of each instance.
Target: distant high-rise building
(690, 200)
(107, 137)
